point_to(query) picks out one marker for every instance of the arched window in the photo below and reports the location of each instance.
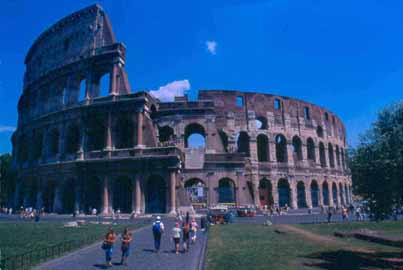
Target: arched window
(281, 148)
(342, 198)
(297, 148)
(314, 193)
(283, 193)
(195, 136)
(310, 149)
(331, 157)
(337, 155)
(262, 148)
(72, 141)
(322, 154)
(243, 143)
(307, 114)
(226, 191)
(326, 116)
(166, 134)
(224, 139)
(54, 142)
(301, 200)
(325, 193)
(37, 144)
(334, 192)
(342, 158)
(261, 122)
(104, 84)
(96, 132)
(265, 192)
(81, 90)
(319, 131)
(124, 131)
(277, 104)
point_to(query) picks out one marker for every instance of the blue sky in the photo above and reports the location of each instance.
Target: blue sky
(344, 55)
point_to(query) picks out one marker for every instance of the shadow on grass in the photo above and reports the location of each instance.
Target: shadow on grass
(354, 260)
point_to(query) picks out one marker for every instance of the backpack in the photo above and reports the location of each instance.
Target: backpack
(157, 228)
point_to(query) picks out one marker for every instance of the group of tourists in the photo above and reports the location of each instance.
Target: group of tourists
(185, 230)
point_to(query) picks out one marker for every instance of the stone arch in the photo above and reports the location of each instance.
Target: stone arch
(265, 192)
(337, 156)
(72, 141)
(54, 137)
(310, 145)
(322, 155)
(124, 131)
(261, 122)
(334, 192)
(297, 148)
(226, 190)
(96, 132)
(262, 147)
(196, 190)
(243, 143)
(156, 194)
(48, 197)
(122, 194)
(166, 134)
(331, 157)
(301, 199)
(319, 131)
(91, 194)
(315, 193)
(284, 192)
(103, 85)
(325, 193)
(281, 148)
(198, 134)
(68, 196)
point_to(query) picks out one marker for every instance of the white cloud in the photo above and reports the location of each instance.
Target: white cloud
(169, 91)
(6, 128)
(211, 46)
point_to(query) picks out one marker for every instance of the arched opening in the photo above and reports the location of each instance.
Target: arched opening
(322, 156)
(337, 156)
(226, 191)
(297, 148)
(224, 140)
(342, 158)
(122, 194)
(307, 114)
(261, 122)
(104, 84)
(341, 194)
(156, 194)
(91, 194)
(347, 199)
(301, 200)
(314, 193)
(281, 148)
(325, 193)
(331, 157)
(277, 104)
(48, 197)
(72, 139)
(262, 148)
(166, 134)
(96, 133)
(265, 192)
(319, 131)
(81, 89)
(196, 190)
(68, 193)
(334, 192)
(310, 149)
(243, 143)
(283, 193)
(37, 144)
(23, 148)
(124, 131)
(195, 136)
(54, 142)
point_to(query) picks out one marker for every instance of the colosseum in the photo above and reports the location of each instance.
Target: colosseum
(84, 140)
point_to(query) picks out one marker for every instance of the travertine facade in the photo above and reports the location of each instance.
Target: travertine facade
(77, 147)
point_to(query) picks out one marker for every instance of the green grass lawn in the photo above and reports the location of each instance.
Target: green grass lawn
(18, 238)
(247, 246)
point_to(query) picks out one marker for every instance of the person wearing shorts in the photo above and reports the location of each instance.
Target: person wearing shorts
(126, 240)
(176, 236)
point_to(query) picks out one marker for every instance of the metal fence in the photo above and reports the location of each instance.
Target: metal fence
(34, 257)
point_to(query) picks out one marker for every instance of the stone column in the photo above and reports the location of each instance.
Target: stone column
(304, 154)
(308, 195)
(327, 158)
(60, 153)
(57, 203)
(83, 142)
(88, 86)
(290, 155)
(105, 196)
(320, 190)
(275, 193)
(255, 187)
(77, 196)
(317, 155)
(172, 191)
(112, 82)
(338, 195)
(272, 150)
(137, 195)
(109, 132)
(140, 118)
(293, 195)
(330, 189)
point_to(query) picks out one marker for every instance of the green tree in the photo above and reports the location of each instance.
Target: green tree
(377, 163)
(7, 179)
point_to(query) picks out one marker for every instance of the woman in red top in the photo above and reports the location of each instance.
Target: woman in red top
(109, 241)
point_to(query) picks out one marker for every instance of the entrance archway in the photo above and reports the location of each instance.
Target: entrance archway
(156, 194)
(92, 194)
(301, 200)
(196, 191)
(49, 196)
(226, 191)
(315, 194)
(283, 192)
(325, 193)
(265, 192)
(122, 194)
(68, 196)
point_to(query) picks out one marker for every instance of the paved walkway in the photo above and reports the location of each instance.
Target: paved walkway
(141, 254)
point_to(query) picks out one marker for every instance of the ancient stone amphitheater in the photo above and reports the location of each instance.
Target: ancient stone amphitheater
(82, 143)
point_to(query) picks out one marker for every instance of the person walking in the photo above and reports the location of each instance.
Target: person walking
(158, 230)
(193, 230)
(329, 215)
(186, 231)
(126, 240)
(109, 241)
(176, 236)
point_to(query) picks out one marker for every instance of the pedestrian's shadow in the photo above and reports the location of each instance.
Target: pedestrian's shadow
(100, 266)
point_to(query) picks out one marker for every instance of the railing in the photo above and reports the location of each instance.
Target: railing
(27, 260)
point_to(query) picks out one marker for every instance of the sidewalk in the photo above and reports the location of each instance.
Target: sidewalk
(141, 254)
